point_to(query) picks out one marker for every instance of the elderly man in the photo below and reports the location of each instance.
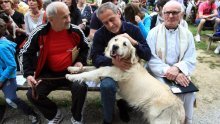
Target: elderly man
(110, 16)
(51, 46)
(174, 54)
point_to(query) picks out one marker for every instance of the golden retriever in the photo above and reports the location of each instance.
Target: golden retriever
(141, 90)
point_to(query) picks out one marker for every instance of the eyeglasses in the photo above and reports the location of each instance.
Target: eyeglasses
(174, 13)
(1, 2)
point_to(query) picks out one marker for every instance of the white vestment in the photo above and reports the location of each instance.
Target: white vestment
(186, 64)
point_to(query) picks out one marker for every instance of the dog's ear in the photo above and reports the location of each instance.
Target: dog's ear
(134, 58)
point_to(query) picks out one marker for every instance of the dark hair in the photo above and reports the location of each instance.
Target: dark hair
(2, 27)
(105, 1)
(4, 16)
(130, 11)
(75, 13)
(161, 3)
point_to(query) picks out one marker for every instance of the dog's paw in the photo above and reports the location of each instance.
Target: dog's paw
(68, 77)
(73, 78)
(74, 69)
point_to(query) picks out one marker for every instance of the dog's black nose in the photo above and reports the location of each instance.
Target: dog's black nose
(114, 47)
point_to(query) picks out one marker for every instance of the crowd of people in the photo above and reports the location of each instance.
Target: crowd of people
(39, 38)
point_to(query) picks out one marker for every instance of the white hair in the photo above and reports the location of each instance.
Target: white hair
(51, 9)
(173, 2)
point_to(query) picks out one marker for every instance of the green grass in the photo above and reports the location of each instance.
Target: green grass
(203, 44)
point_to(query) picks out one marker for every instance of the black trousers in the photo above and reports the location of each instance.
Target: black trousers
(47, 107)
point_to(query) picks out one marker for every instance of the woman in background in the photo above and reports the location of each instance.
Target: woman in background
(133, 14)
(34, 16)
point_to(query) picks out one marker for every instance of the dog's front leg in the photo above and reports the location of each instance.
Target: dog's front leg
(73, 69)
(87, 76)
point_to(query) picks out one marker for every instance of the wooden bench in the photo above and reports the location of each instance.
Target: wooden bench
(211, 39)
(61, 88)
(26, 87)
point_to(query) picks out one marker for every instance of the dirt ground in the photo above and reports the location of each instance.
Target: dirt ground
(206, 77)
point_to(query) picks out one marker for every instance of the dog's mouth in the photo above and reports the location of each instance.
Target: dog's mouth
(113, 54)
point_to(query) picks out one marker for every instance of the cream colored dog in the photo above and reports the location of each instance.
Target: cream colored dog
(158, 104)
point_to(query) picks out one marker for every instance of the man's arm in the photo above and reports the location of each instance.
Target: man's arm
(156, 65)
(143, 50)
(97, 52)
(28, 55)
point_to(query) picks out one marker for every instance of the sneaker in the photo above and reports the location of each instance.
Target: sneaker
(2, 112)
(197, 38)
(35, 119)
(75, 122)
(217, 50)
(57, 119)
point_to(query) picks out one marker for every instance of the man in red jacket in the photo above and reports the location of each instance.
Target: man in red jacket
(47, 54)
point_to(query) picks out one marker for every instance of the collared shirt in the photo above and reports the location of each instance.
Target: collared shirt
(103, 36)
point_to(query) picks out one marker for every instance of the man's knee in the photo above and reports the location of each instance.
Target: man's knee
(108, 84)
(202, 21)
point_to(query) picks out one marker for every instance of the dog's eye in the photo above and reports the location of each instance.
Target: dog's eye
(116, 39)
(124, 44)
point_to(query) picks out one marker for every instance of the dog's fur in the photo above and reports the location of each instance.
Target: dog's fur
(136, 85)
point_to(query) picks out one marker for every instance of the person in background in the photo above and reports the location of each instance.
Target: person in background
(139, 4)
(17, 34)
(133, 14)
(47, 54)
(207, 13)
(34, 16)
(110, 16)
(173, 53)
(158, 19)
(20, 6)
(8, 83)
(86, 11)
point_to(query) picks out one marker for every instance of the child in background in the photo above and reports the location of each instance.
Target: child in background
(8, 82)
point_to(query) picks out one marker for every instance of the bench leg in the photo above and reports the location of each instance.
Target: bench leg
(209, 45)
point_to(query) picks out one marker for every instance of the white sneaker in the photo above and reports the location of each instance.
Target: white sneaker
(217, 50)
(57, 119)
(197, 38)
(75, 122)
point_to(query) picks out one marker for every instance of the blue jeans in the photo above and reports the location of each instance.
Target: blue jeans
(108, 88)
(9, 89)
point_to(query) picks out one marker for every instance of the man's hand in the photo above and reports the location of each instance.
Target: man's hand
(123, 64)
(182, 80)
(133, 42)
(78, 64)
(172, 73)
(32, 81)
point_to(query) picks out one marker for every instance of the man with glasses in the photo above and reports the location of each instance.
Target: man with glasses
(173, 53)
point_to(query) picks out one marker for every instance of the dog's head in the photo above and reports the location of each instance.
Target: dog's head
(122, 47)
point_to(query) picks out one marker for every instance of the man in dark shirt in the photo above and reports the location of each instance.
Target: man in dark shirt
(109, 14)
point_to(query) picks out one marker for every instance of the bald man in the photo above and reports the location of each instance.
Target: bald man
(47, 54)
(173, 53)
